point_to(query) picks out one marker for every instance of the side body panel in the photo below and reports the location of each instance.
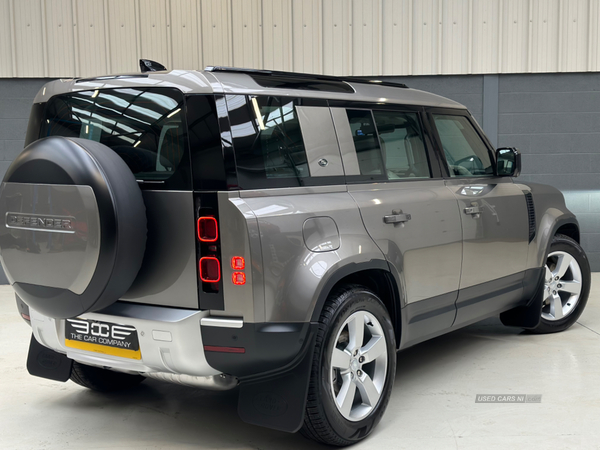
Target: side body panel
(293, 273)
(495, 237)
(425, 250)
(240, 237)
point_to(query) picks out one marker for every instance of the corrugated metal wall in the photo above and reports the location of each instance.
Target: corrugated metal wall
(61, 38)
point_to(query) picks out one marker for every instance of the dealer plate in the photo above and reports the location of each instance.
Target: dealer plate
(102, 337)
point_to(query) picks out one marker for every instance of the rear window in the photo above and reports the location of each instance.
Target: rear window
(144, 126)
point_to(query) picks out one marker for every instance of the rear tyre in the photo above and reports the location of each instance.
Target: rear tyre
(567, 282)
(103, 380)
(353, 369)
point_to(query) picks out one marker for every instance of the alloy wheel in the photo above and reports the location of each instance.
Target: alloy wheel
(358, 366)
(562, 286)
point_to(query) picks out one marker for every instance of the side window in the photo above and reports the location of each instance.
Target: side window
(466, 154)
(366, 142)
(268, 145)
(402, 145)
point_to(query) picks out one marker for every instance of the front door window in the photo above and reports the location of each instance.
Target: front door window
(466, 153)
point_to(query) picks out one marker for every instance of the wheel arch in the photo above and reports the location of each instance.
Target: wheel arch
(552, 223)
(570, 229)
(551, 216)
(374, 275)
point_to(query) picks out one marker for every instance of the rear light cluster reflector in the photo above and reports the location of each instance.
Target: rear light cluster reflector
(216, 348)
(238, 278)
(210, 269)
(238, 263)
(208, 231)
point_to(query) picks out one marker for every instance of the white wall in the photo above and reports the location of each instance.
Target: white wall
(64, 38)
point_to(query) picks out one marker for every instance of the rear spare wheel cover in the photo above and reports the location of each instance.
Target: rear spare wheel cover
(73, 226)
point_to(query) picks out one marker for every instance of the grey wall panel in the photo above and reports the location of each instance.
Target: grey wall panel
(554, 119)
(465, 89)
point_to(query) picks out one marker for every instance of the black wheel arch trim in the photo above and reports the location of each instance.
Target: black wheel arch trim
(561, 221)
(351, 268)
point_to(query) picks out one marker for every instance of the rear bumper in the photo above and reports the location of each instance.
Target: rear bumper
(170, 340)
(179, 342)
(264, 347)
(273, 369)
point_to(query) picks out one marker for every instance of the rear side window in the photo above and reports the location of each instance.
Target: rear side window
(402, 145)
(465, 152)
(366, 142)
(268, 144)
(144, 126)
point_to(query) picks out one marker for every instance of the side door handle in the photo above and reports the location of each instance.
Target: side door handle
(473, 210)
(397, 218)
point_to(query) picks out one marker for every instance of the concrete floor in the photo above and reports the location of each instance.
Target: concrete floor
(432, 406)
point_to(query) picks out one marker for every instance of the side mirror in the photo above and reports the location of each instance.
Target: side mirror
(508, 162)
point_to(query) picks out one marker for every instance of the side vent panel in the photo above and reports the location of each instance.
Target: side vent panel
(531, 215)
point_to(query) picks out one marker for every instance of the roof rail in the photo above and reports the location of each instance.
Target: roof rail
(110, 77)
(316, 77)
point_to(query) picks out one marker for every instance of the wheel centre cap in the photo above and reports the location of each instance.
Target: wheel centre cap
(354, 365)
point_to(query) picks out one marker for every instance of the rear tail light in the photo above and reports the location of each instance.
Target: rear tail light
(238, 263)
(238, 278)
(210, 269)
(208, 231)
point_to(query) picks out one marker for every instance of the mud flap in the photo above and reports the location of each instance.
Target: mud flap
(278, 400)
(529, 316)
(46, 363)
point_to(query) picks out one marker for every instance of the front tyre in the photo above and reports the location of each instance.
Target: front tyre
(353, 368)
(567, 282)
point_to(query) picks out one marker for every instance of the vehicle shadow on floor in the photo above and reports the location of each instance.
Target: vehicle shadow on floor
(162, 415)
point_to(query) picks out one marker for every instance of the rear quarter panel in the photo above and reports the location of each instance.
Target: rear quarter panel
(293, 274)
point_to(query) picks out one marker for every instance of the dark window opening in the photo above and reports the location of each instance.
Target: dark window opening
(402, 145)
(144, 126)
(366, 142)
(269, 149)
(208, 165)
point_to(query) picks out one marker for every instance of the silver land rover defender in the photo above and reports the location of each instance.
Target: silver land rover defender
(284, 233)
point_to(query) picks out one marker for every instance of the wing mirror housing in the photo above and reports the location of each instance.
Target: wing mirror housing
(508, 162)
